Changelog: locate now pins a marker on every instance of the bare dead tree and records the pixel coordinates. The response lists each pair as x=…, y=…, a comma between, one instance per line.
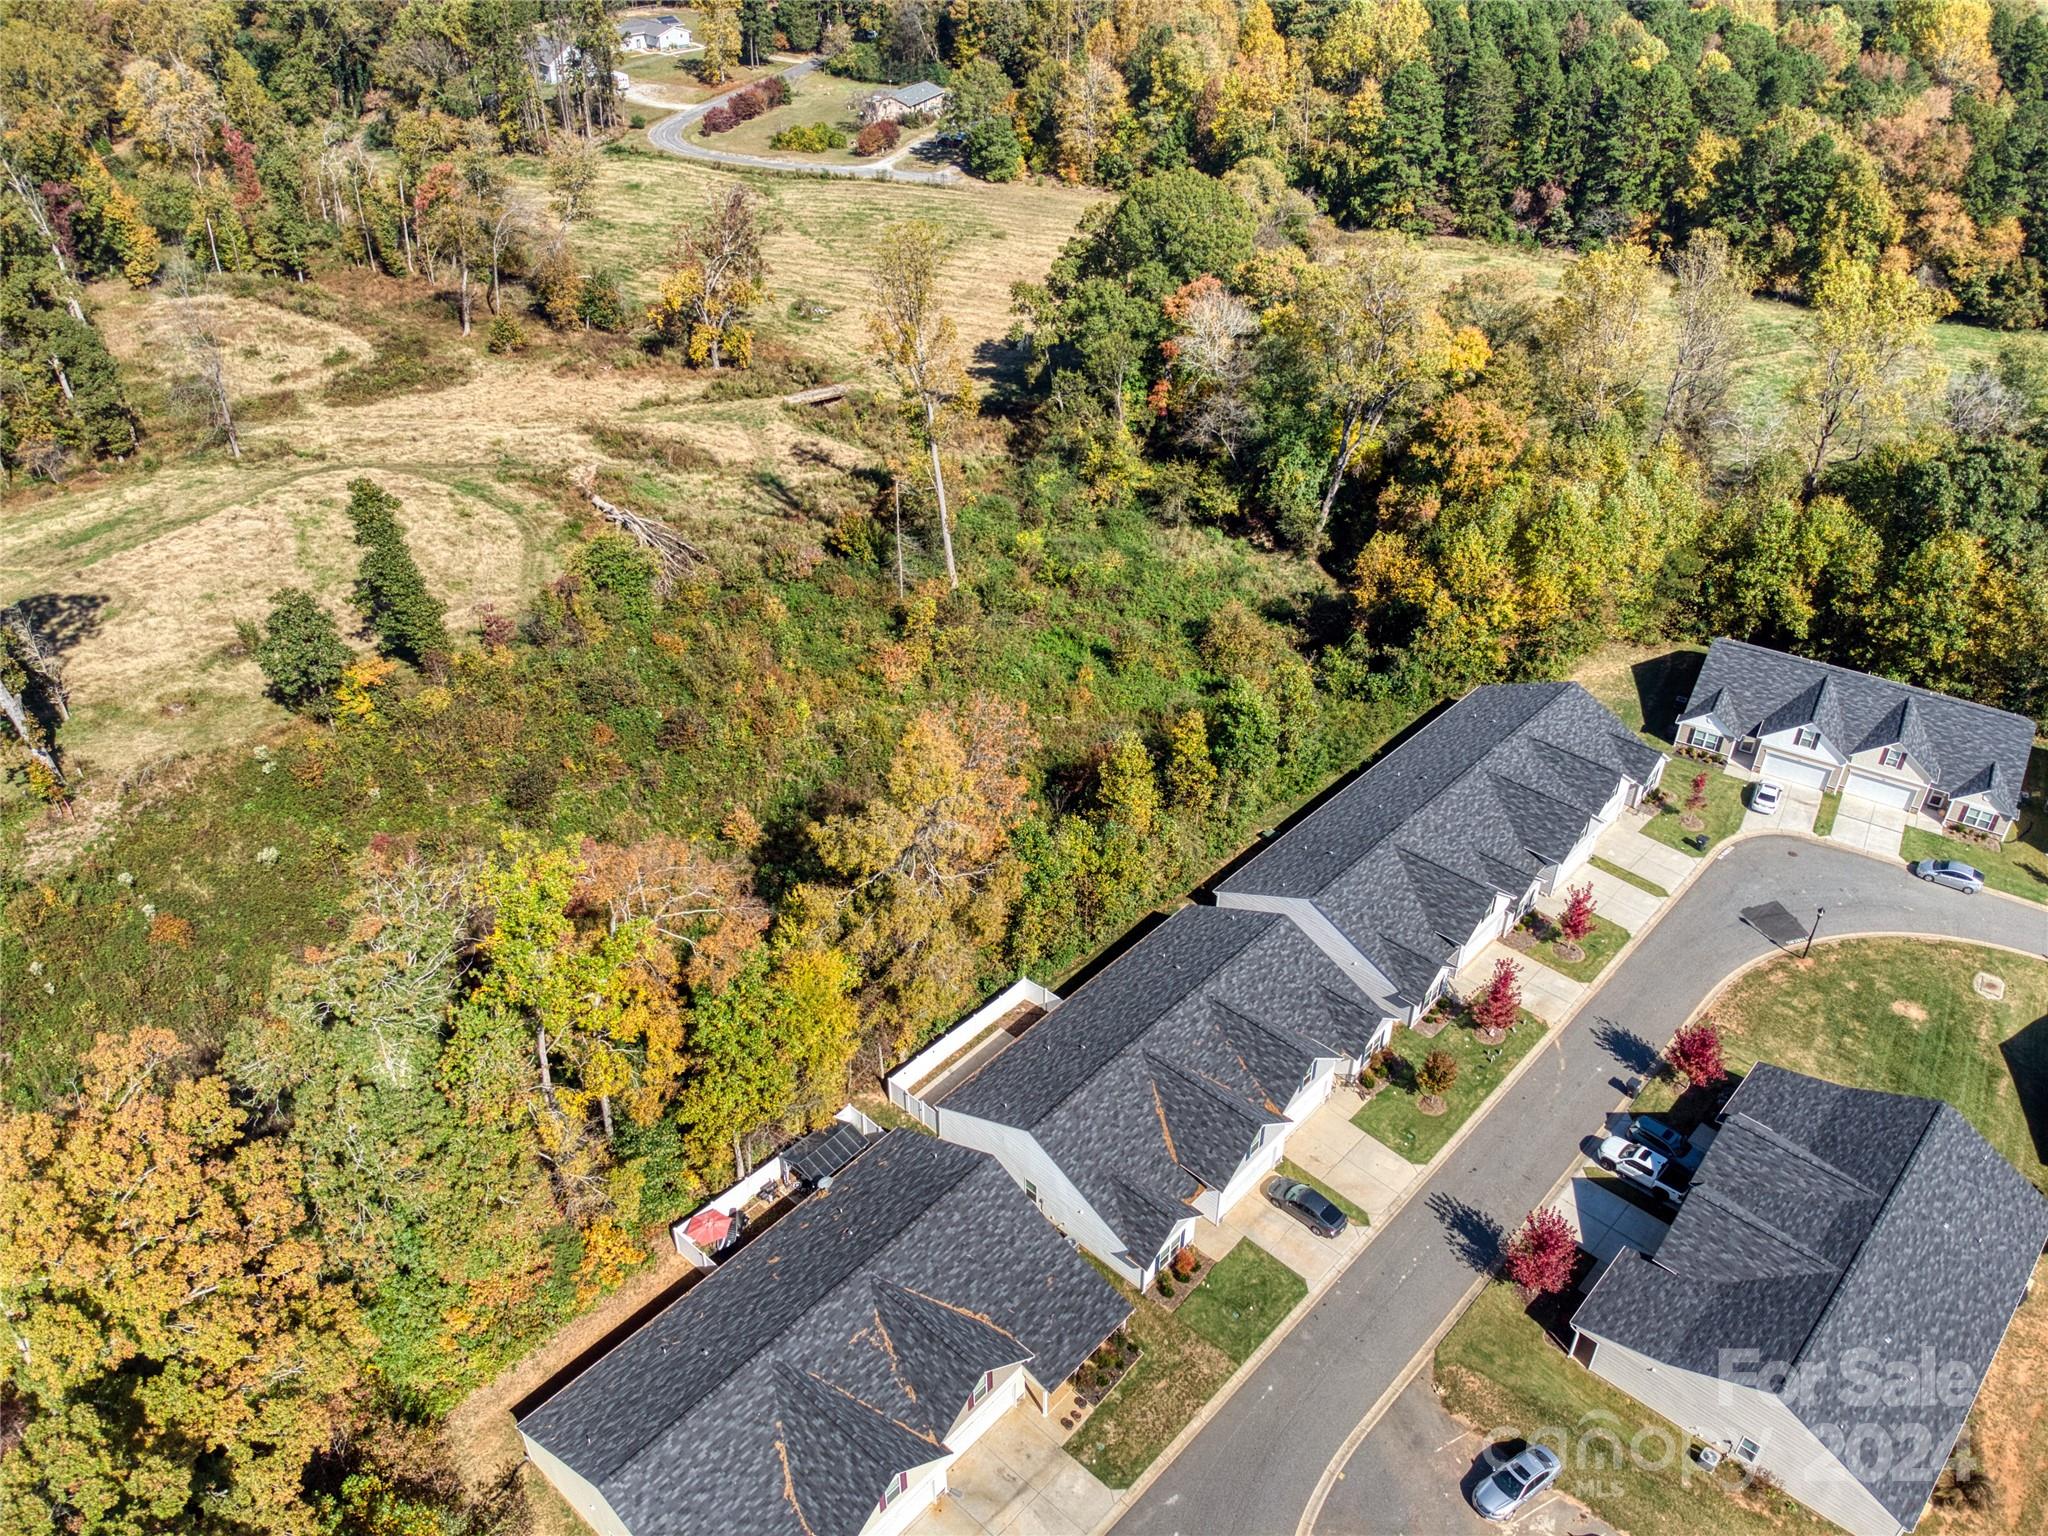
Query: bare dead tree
x=206, y=375
x=1710, y=286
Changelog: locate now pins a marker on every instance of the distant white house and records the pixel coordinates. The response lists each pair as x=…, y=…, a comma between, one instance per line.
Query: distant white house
x=654, y=34
x=552, y=60
x=893, y=105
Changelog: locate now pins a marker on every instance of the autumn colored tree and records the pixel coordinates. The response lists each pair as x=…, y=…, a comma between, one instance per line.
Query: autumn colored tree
x=1576, y=920
x=1696, y=798
x=1709, y=286
x=1190, y=771
x=1599, y=334
x=715, y=281
x=1436, y=1076
x=1868, y=334
x=1495, y=1010
x=702, y=904
x=1543, y=1254
x=1695, y=1055
x=927, y=862
x=921, y=345
x=176, y=1344
x=1127, y=785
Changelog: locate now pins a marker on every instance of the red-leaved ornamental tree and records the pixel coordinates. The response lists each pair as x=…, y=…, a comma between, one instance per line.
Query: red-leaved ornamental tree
x=1696, y=797
x=1542, y=1256
x=1576, y=920
x=1695, y=1055
x=1495, y=1010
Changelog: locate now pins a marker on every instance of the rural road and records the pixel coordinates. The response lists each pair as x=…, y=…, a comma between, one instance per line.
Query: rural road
x=672, y=136
x=1253, y=1468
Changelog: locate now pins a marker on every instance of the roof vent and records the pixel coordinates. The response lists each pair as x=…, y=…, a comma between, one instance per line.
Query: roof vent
x=825, y=1183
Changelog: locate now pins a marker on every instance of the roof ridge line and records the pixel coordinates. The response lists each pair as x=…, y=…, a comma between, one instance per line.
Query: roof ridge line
x=1215, y=1090
x=1742, y=1213
x=1805, y=1154
x=1889, y=682
x=1883, y=1210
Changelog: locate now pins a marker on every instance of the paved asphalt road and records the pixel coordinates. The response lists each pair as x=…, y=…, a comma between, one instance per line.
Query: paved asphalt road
x=671, y=134
x=1252, y=1469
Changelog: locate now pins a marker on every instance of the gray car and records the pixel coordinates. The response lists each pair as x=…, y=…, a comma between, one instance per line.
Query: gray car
x=1307, y=1205
x=1953, y=873
x=1515, y=1486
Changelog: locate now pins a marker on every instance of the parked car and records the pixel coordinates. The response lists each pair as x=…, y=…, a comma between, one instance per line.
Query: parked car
x=1638, y=1165
x=1764, y=798
x=1307, y=1205
x=1953, y=873
x=1512, y=1489
x=1659, y=1136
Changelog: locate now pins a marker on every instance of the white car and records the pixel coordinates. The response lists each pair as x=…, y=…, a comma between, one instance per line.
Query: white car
x=1764, y=798
x=1637, y=1164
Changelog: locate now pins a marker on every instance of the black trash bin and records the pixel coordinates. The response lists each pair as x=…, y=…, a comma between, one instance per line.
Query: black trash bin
x=1698, y=842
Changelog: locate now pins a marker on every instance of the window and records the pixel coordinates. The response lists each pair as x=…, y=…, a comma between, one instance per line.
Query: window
x=1809, y=736
x=1893, y=757
x=894, y=1491
x=1978, y=819
x=1031, y=1191
x=1747, y=1449
x=982, y=1388
x=1705, y=740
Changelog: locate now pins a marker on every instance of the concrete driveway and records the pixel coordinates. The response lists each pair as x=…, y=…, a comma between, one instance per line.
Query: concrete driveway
x=1872, y=829
x=1018, y=1480
x=1550, y=995
x=1796, y=809
x=1623, y=846
x=1613, y=898
x=1414, y=1473
x=1258, y=1463
x=1607, y=1221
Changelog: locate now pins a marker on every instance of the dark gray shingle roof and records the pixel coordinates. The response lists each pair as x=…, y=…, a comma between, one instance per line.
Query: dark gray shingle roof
x=1964, y=748
x=1406, y=858
x=1153, y=1079
x=1825, y=1222
x=782, y=1392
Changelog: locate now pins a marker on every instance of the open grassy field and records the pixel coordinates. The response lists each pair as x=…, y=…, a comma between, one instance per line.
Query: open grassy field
x=1901, y=1015
x=824, y=230
x=1775, y=351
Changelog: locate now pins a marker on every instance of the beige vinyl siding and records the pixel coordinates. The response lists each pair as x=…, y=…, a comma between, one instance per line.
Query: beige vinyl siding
x=1723, y=1413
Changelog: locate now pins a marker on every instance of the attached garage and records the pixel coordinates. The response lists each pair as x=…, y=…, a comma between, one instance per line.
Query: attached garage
x=1793, y=772
x=1888, y=792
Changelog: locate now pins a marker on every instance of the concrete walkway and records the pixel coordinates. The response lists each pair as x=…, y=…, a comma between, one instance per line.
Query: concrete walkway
x=1550, y=995
x=1623, y=846
x=1255, y=1464
x=671, y=135
x=1018, y=1480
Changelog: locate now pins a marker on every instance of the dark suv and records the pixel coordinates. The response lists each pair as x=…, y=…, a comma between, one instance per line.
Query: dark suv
x=1307, y=1205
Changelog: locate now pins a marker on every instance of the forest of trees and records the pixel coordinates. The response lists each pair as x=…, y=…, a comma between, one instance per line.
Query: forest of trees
x=342, y=1072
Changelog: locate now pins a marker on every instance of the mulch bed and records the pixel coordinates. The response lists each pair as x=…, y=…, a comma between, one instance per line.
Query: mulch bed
x=1181, y=1288
x=1092, y=1383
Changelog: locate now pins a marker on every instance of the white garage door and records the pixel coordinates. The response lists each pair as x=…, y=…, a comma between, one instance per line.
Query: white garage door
x=1883, y=791
x=1793, y=771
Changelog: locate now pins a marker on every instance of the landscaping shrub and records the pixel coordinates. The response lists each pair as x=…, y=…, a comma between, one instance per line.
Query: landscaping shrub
x=719, y=119
x=809, y=138
x=773, y=91
x=746, y=105
x=1184, y=1263
x=877, y=138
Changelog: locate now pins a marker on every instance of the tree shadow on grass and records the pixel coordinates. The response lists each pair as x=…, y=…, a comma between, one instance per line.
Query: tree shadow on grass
x=62, y=619
x=1634, y=1054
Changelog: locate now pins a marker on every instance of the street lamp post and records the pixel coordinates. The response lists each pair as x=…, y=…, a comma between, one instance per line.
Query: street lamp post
x=1818, y=914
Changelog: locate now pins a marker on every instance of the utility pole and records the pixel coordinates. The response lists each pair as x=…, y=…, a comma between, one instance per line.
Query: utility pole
x=1818, y=914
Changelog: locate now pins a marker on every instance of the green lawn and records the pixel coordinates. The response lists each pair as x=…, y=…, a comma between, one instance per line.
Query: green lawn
x=1598, y=947
x=1187, y=1356
x=1722, y=816
x=2018, y=866
x=813, y=98
x=1899, y=1014
x=1627, y=876
x=1392, y=1116
x=1242, y=1300
x=1824, y=818
x=1297, y=1172
x=1501, y=1374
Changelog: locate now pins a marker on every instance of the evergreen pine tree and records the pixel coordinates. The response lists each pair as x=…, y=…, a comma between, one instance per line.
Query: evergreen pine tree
x=392, y=594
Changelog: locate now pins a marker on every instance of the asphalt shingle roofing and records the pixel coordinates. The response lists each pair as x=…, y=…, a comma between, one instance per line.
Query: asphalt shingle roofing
x=1154, y=1078
x=785, y=1390
x=1964, y=748
x=1406, y=859
x=1826, y=1222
